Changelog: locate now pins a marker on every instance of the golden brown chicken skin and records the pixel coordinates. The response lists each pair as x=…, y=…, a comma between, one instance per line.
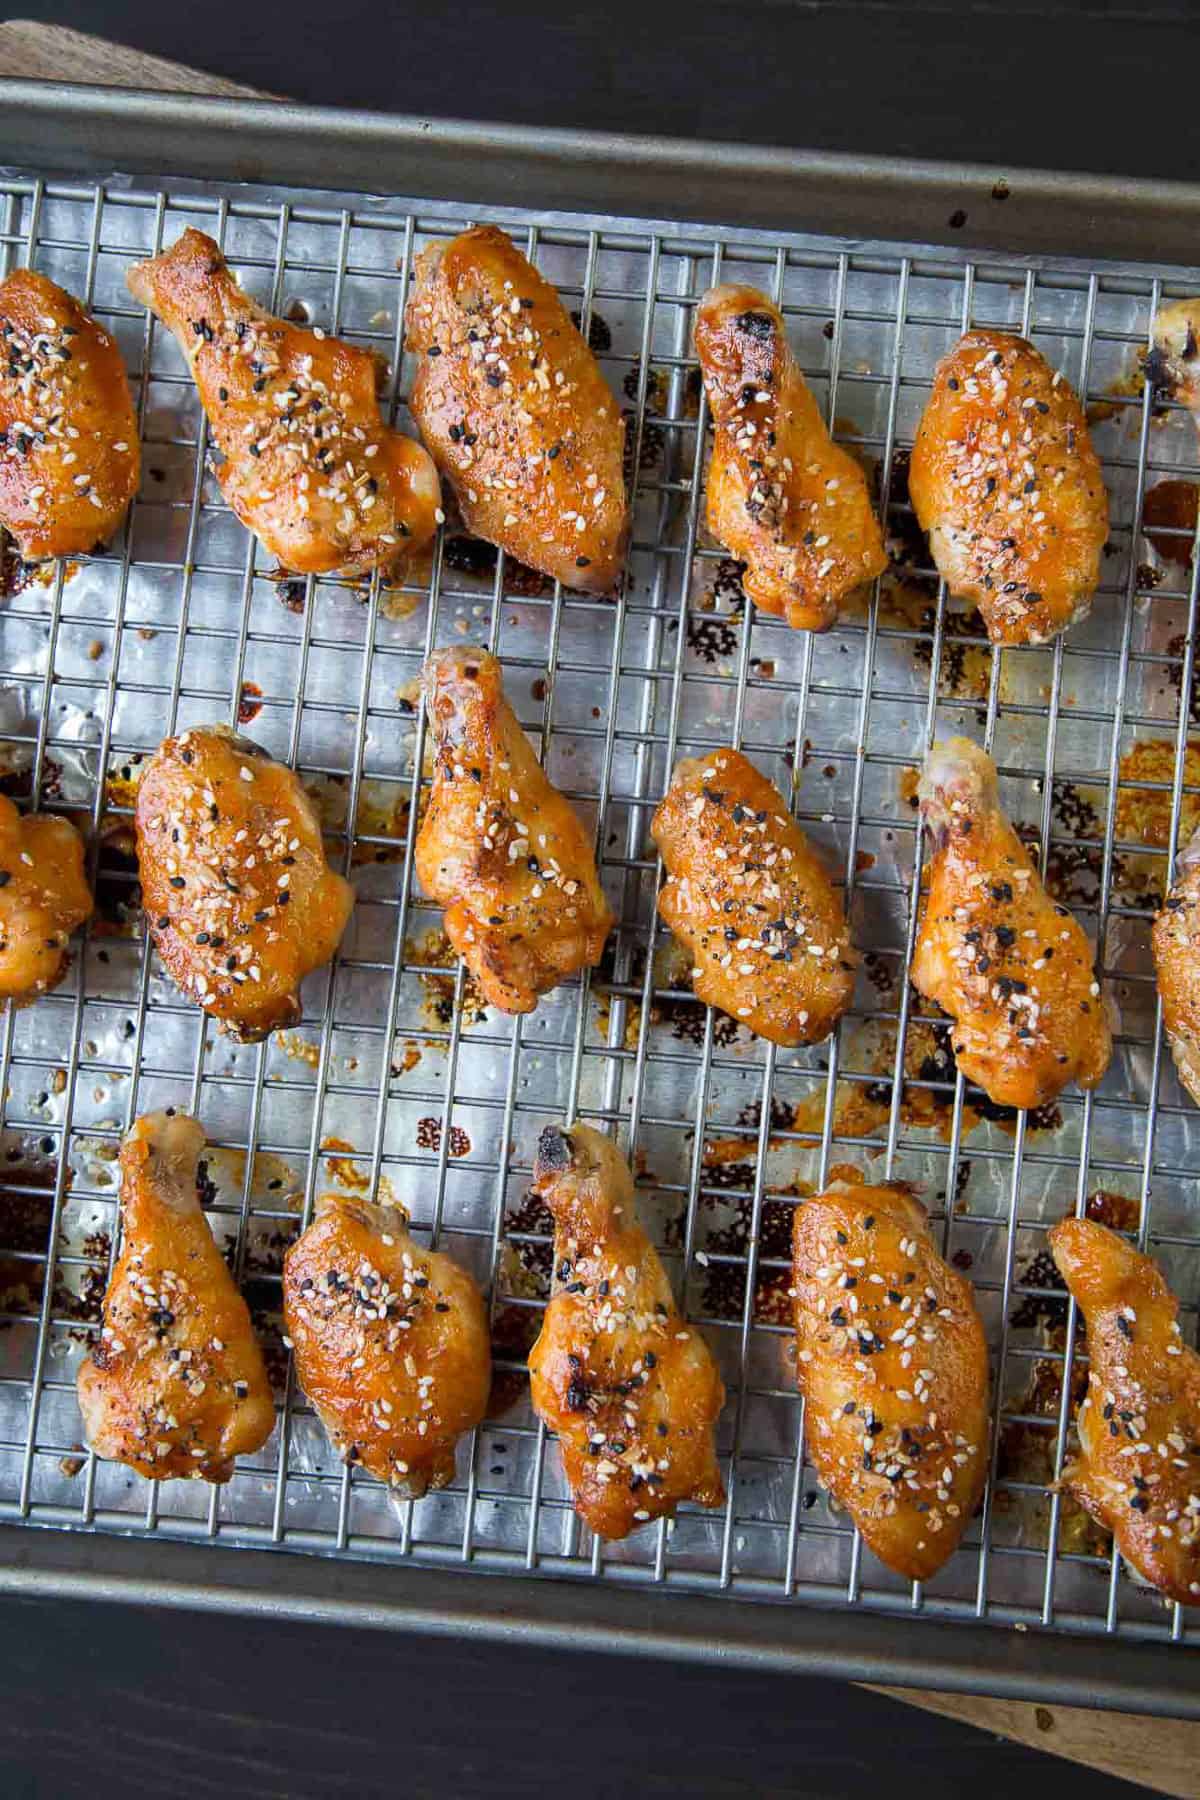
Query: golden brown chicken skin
x=1005, y=481
x=782, y=495
x=630, y=1389
x=1173, y=361
x=310, y=466
x=500, y=848
x=176, y=1385
x=44, y=895
x=391, y=1342
x=516, y=413
x=240, y=902
x=69, y=459
x=1176, y=943
x=1138, y=1468
x=1011, y=967
x=751, y=901
x=892, y=1361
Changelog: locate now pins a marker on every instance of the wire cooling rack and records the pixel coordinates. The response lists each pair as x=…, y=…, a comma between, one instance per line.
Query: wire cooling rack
x=399, y=1075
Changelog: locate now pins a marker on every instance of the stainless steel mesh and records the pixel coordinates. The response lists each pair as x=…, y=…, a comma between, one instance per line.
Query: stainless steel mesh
x=398, y=1075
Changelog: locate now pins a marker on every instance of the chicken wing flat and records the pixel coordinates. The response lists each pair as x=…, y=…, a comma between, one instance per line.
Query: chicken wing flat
x=69, y=459
x=44, y=895
x=892, y=1361
x=782, y=496
x=630, y=1389
x=1138, y=1470
x=391, y=1342
x=1004, y=479
x=1176, y=942
x=517, y=415
x=500, y=848
x=176, y=1384
x=239, y=899
x=751, y=901
x=310, y=466
x=1011, y=967
x=1173, y=363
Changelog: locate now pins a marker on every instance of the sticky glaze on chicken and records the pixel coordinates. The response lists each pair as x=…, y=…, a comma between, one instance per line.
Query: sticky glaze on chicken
x=630, y=1389
x=69, y=458
x=238, y=897
x=892, y=1361
x=44, y=895
x=175, y=1384
x=1138, y=1468
x=391, y=1342
x=1173, y=362
x=1176, y=942
x=782, y=495
x=1013, y=969
x=309, y=465
x=517, y=415
x=752, y=902
x=499, y=847
x=1004, y=479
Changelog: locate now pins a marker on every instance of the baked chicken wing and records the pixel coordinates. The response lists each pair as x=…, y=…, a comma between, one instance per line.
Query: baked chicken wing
x=176, y=1384
x=1173, y=363
x=1013, y=969
x=500, y=848
x=1138, y=1468
x=44, y=895
x=630, y=1389
x=1005, y=481
x=752, y=902
x=782, y=495
x=309, y=465
x=892, y=1361
x=1176, y=941
x=69, y=458
x=239, y=899
x=391, y=1342
x=517, y=415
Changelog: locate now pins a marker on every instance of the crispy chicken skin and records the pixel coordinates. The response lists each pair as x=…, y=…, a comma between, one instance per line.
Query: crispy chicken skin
x=238, y=897
x=69, y=459
x=176, y=1384
x=1138, y=1468
x=1176, y=942
x=630, y=1389
x=893, y=1364
x=310, y=466
x=500, y=848
x=44, y=895
x=1005, y=481
x=516, y=413
x=751, y=901
x=1173, y=363
x=782, y=495
x=1011, y=967
x=391, y=1342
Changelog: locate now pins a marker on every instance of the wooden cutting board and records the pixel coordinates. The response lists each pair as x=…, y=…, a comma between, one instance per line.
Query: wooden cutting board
x=1163, y=1754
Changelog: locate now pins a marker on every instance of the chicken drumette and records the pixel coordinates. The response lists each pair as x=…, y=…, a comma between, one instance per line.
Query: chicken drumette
x=1176, y=941
x=499, y=847
x=239, y=899
x=391, y=1342
x=1004, y=479
x=892, y=1361
x=782, y=495
x=309, y=465
x=752, y=902
x=1013, y=969
x=176, y=1384
x=68, y=434
x=630, y=1389
x=1173, y=362
x=516, y=413
x=1138, y=1470
x=44, y=895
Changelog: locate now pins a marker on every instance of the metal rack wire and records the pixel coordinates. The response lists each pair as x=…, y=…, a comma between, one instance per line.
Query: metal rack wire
x=396, y=1076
